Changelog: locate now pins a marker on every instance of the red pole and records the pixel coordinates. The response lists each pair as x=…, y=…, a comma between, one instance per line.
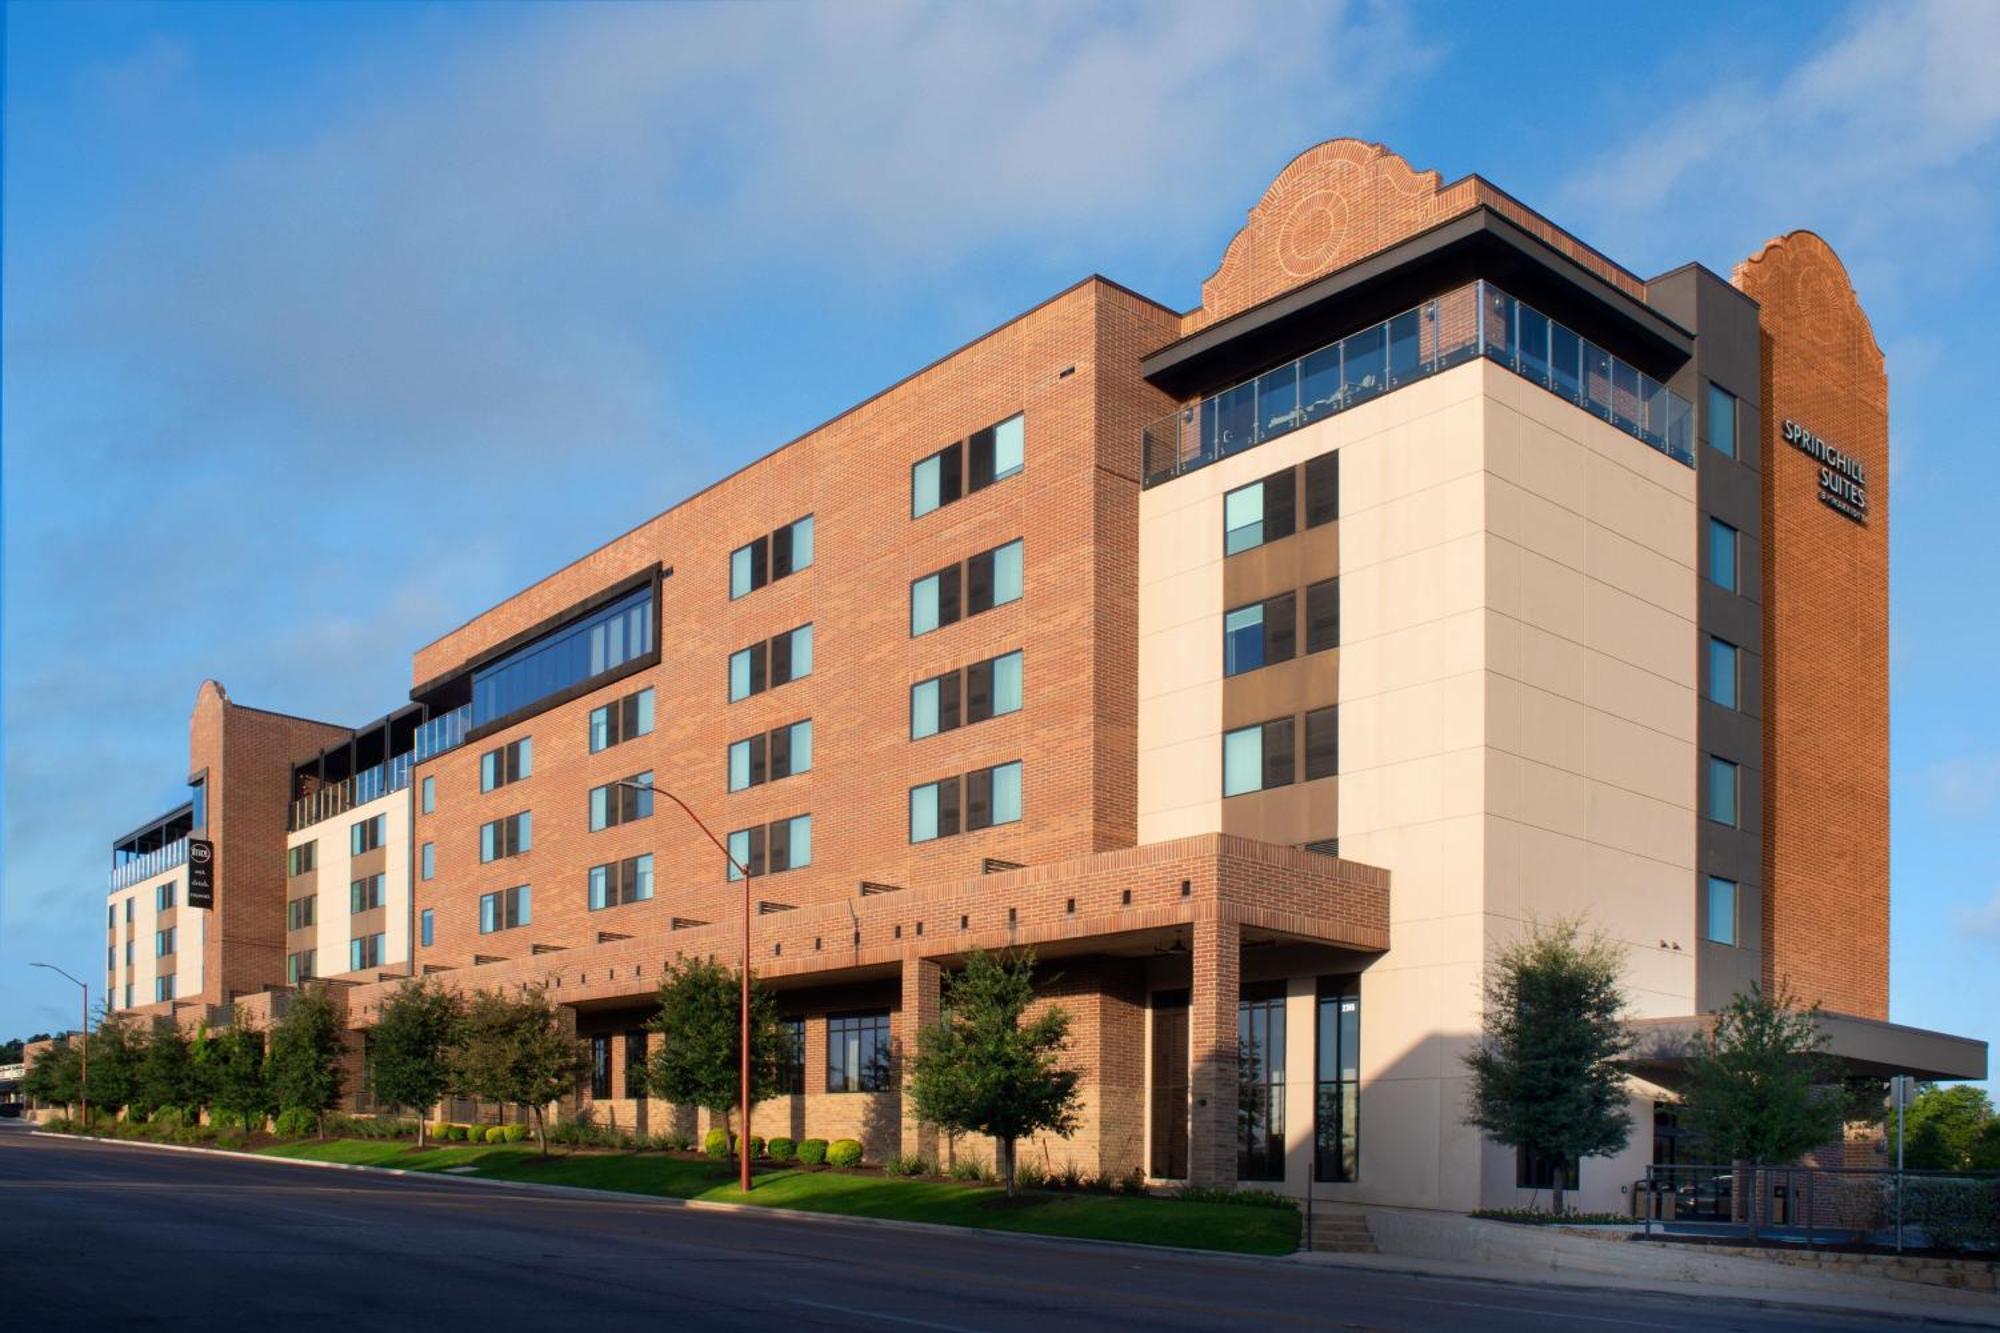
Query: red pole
x=83, y=1072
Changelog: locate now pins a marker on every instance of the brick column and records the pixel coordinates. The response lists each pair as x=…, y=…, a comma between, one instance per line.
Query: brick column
x=922, y=988
x=1218, y=987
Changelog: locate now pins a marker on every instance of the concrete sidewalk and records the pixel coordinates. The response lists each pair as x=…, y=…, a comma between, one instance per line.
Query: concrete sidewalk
x=1451, y=1245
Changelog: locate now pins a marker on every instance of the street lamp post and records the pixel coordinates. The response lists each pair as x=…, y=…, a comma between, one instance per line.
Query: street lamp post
x=83, y=1043
x=743, y=1039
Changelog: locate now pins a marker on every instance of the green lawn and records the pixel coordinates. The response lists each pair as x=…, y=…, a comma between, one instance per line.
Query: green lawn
x=1208, y=1226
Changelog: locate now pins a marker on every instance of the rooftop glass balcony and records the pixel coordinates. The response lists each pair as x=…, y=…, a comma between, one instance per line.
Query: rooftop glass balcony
x=129, y=869
x=337, y=798
x=443, y=732
x=1473, y=321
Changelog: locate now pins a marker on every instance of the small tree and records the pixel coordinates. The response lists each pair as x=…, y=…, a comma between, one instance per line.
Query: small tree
x=1948, y=1121
x=980, y=1071
x=166, y=1070
x=54, y=1078
x=701, y=1021
x=410, y=1055
x=112, y=1074
x=235, y=1074
x=306, y=1049
x=1544, y=1074
x=518, y=1051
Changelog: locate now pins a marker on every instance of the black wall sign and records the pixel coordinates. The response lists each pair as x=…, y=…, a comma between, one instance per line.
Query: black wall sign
x=1843, y=479
x=201, y=873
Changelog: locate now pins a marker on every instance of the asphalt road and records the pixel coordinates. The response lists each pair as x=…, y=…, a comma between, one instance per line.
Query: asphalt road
x=97, y=1236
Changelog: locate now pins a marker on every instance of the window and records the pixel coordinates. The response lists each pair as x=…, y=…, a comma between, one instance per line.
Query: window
x=1322, y=743
x=1260, y=1083
x=621, y=802
x=163, y=896
x=504, y=910
x=1323, y=616
x=746, y=849
x=791, y=1056
x=1262, y=634
x=1722, y=790
x=301, y=912
x=1721, y=910
x=600, y=1066
x=367, y=835
x=934, y=810
x=111, y=916
x=763, y=666
x=302, y=859
x=1721, y=420
x=621, y=720
x=300, y=966
x=1261, y=512
x=857, y=1052
x=784, y=844
x=1322, y=489
x=987, y=689
x=934, y=601
x=429, y=788
x=128, y=953
x=128, y=995
x=365, y=895
x=1336, y=1140
x=427, y=865
x=199, y=799
x=128, y=911
x=619, y=882
x=597, y=643
x=1722, y=669
x=777, y=754
x=973, y=464
x=1721, y=554
x=770, y=558
x=1539, y=1171
x=163, y=942
x=635, y=1063
x=506, y=837
x=989, y=579
x=509, y=763
x=427, y=927
x=163, y=988
x=1257, y=757
x=990, y=796
x=364, y=951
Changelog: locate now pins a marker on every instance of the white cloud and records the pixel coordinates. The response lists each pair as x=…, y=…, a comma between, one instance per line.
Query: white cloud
x=1981, y=922
x=1962, y=787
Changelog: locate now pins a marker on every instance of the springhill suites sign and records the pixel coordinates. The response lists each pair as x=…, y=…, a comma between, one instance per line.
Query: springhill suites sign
x=1843, y=478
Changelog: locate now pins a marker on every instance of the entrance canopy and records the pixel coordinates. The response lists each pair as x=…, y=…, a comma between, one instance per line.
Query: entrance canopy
x=1867, y=1047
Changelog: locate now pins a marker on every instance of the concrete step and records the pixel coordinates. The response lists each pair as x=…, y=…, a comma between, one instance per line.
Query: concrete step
x=1341, y=1233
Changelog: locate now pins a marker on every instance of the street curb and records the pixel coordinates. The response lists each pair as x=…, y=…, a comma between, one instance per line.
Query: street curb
x=1304, y=1260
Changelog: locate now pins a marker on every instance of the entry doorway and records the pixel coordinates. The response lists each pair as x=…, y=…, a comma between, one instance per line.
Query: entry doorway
x=1170, y=1085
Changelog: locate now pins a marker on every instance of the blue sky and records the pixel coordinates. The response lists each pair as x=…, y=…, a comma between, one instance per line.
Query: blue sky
x=326, y=327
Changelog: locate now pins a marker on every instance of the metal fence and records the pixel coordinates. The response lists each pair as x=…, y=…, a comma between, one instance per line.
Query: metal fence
x=1803, y=1204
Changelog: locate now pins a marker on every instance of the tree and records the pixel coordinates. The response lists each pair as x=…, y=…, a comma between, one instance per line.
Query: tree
x=1985, y=1154
x=1544, y=1074
x=701, y=1022
x=410, y=1053
x=166, y=1070
x=234, y=1072
x=979, y=1070
x=304, y=1067
x=518, y=1051
x=55, y=1076
x=1948, y=1122
x=111, y=1076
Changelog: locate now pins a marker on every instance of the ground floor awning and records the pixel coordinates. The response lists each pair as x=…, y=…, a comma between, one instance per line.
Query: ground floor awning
x=1867, y=1047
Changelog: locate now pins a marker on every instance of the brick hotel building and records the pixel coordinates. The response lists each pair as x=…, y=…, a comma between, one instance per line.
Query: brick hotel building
x=1262, y=666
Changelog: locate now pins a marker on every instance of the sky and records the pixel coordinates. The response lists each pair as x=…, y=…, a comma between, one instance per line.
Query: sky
x=326, y=327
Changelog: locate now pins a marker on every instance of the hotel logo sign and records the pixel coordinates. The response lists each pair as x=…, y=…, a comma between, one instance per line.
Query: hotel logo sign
x=1843, y=478
x=201, y=873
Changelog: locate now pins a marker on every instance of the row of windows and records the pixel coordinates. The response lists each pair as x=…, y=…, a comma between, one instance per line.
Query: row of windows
x=981, y=799
x=987, y=689
x=784, y=844
x=1268, y=509
x=765, y=666
x=1265, y=633
x=989, y=579
x=857, y=1057
x=779, y=753
x=111, y=914
x=598, y=643
x=1260, y=1036
x=771, y=557
x=972, y=464
x=1265, y=754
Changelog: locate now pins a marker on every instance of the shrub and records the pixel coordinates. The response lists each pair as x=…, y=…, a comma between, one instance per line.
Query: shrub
x=462, y=1133
x=1030, y=1175
x=812, y=1152
x=716, y=1143
x=843, y=1152
x=441, y=1132
x=513, y=1133
x=1068, y=1176
x=969, y=1169
x=678, y=1142
x=910, y=1164
x=1542, y=1218
x=169, y=1118
x=1241, y=1198
x=295, y=1122
x=496, y=1133
x=782, y=1149
x=1955, y=1212
x=756, y=1146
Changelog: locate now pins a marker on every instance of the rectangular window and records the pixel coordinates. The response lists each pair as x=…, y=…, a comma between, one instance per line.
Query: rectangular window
x=367, y=835
x=792, y=1056
x=934, y=600
x=1723, y=782
x=504, y=910
x=365, y=894
x=746, y=849
x=1260, y=635
x=973, y=464
x=506, y=837
x=111, y=916
x=749, y=568
x=1540, y=1171
x=792, y=548
x=165, y=894
x=163, y=988
x=622, y=719
x=1721, y=554
x=1258, y=757
x=1323, y=616
x=1721, y=420
x=792, y=656
x=788, y=844
x=600, y=1066
x=1336, y=1110
x=1721, y=910
x=777, y=754
x=364, y=951
x=936, y=481
x=619, y=882
x=163, y=942
x=1322, y=743
x=762, y=666
x=300, y=966
x=772, y=557
x=430, y=795
x=427, y=927
x=509, y=763
x=427, y=861
x=128, y=911
x=1322, y=489
x=594, y=645
x=301, y=912
x=621, y=802
x=1261, y=512
x=1260, y=1083
x=128, y=953
x=857, y=1052
x=926, y=696
x=635, y=1063
x=993, y=578
x=1722, y=672
x=302, y=859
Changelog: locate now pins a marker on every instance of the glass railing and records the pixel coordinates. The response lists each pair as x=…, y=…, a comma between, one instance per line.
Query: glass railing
x=444, y=732
x=337, y=798
x=1473, y=321
x=148, y=864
